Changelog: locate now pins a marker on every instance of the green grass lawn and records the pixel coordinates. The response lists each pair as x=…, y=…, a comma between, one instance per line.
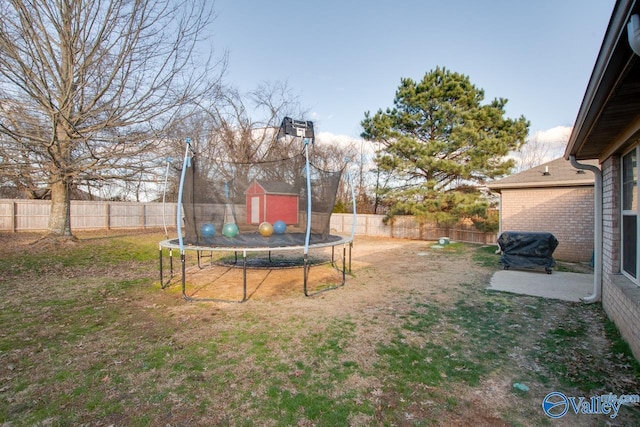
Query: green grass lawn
x=88, y=337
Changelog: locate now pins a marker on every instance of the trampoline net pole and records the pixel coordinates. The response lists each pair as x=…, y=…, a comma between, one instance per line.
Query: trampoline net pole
x=353, y=202
x=164, y=196
x=308, y=235
x=185, y=165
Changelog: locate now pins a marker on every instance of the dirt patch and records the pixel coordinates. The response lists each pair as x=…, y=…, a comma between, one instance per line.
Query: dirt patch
x=389, y=278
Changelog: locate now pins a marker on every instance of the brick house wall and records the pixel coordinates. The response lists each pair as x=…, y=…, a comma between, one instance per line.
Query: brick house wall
x=611, y=216
x=606, y=127
x=567, y=212
x=620, y=297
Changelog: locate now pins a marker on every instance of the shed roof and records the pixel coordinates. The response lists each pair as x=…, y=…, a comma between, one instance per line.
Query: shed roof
x=276, y=187
x=556, y=173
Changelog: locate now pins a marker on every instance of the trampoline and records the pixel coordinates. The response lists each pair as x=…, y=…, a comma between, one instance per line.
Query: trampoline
x=279, y=205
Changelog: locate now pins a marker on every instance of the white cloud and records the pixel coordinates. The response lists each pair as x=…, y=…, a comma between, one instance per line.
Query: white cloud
x=332, y=137
x=554, y=137
x=358, y=147
x=541, y=147
x=344, y=141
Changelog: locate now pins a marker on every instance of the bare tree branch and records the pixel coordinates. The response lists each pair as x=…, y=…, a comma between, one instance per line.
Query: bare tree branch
x=95, y=84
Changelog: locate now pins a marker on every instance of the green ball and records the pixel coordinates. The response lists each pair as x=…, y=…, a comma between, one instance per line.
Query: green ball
x=230, y=230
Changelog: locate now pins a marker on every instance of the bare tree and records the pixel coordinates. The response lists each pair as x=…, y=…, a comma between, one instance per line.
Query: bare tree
x=236, y=128
x=333, y=154
x=542, y=147
x=533, y=153
x=87, y=87
x=244, y=126
x=239, y=130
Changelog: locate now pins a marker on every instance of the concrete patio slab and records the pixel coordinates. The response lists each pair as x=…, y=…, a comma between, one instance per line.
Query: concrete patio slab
x=558, y=285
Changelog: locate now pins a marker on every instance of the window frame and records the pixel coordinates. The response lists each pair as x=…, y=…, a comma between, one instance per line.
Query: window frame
x=633, y=212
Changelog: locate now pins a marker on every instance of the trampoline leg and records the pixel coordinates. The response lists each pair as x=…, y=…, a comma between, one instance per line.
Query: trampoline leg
x=163, y=283
x=184, y=280
x=170, y=263
x=305, y=274
x=160, y=262
x=307, y=267
x=200, y=256
x=244, y=276
x=191, y=298
x=344, y=267
x=350, y=246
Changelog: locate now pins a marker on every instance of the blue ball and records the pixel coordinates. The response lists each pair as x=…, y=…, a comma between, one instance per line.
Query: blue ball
x=230, y=230
x=279, y=227
x=208, y=230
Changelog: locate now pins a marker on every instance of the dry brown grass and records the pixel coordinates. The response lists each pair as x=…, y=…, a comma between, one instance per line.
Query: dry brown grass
x=88, y=338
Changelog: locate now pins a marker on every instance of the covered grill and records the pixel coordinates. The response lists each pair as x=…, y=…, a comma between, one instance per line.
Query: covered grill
x=521, y=249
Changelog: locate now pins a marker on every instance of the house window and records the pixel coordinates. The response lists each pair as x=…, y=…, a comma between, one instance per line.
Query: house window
x=630, y=214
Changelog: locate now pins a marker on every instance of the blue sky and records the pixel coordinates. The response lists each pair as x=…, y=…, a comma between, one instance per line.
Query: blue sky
x=343, y=58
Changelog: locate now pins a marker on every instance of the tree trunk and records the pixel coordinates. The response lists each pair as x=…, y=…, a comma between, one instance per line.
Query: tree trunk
x=60, y=213
x=60, y=181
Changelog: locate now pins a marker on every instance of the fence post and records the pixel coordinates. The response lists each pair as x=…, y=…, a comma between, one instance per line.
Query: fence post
x=107, y=215
x=13, y=211
x=176, y=207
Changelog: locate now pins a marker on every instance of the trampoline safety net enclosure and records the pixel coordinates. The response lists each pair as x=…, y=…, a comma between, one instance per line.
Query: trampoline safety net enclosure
x=226, y=207
x=274, y=205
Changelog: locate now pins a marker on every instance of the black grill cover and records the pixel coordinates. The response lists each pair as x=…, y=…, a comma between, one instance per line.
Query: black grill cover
x=521, y=249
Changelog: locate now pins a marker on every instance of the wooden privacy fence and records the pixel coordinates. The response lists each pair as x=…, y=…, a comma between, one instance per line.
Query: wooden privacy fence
x=33, y=215
x=406, y=227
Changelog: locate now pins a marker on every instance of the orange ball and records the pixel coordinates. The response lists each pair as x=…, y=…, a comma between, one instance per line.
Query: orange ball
x=265, y=229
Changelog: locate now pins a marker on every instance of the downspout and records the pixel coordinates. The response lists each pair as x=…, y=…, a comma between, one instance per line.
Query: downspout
x=597, y=232
x=633, y=33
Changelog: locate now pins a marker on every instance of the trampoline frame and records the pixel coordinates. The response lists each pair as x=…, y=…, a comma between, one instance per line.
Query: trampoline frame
x=296, y=128
x=199, y=249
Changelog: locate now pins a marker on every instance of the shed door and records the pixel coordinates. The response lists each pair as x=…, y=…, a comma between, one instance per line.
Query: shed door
x=255, y=210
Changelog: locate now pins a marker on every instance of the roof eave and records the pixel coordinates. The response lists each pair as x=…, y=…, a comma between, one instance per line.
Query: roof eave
x=550, y=184
x=612, y=59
